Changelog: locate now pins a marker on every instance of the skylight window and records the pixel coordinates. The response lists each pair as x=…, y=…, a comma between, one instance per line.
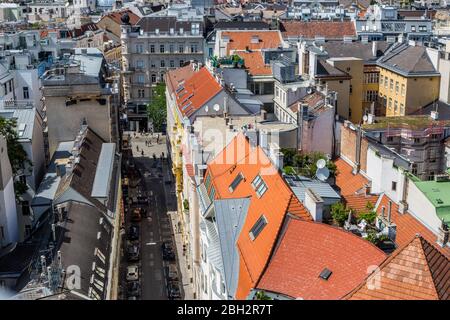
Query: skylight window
x=258, y=227
x=21, y=129
x=325, y=274
x=212, y=193
x=259, y=185
x=186, y=105
x=236, y=182
x=179, y=89
x=207, y=181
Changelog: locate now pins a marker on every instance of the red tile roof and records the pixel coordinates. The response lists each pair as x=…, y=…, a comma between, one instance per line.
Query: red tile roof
x=417, y=271
x=240, y=157
x=241, y=40
x=175, y=77
x=116, y=16
x=358, y=202
x=192, y=88
x=346, y=180
x=311, y=29
x=306, y=249
x=407, y=225
x=254, y=63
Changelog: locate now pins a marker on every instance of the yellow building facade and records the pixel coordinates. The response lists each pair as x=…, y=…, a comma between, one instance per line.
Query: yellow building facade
x=402, y=95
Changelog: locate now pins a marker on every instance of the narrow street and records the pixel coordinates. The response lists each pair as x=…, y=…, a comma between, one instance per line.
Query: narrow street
x=155, y=226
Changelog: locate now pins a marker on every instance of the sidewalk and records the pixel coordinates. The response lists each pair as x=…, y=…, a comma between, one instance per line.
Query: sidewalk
x=186, y=274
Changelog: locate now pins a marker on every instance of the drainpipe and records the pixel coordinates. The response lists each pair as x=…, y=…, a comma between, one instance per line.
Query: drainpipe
x=403, y=205
x=357, y=165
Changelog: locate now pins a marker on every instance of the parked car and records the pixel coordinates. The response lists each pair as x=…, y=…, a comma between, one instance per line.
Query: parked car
x=133, y=252
x=167, y=249
x=133, y=233
x=141, y=200
x=173, y=291
x=172, y=272
x=133, y=289
x=133, y=273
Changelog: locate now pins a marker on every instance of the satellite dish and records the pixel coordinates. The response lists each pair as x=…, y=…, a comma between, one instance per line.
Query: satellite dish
x=294, y=89
x=216, y=107
x=309, y=91
x=365, y=118
x=321, y=163
x=206, y=109
x=323, y=174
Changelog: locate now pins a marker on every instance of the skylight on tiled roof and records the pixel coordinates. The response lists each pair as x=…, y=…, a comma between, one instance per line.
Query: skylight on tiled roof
x=325, y=274
x=258, y=227
x=236, y=182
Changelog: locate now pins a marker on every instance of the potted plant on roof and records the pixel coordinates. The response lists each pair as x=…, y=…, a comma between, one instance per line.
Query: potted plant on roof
x=235, y=60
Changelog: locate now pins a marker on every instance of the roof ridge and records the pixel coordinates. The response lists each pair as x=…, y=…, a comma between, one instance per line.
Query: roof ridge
x=433, y=272
x=386, y=262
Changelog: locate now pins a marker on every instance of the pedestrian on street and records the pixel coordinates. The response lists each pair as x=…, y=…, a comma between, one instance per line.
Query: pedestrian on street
x=137, y=148
x=157, y=138
x=142, y=152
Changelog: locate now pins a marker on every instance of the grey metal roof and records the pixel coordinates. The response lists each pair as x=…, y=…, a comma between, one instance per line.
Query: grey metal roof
x=90, y=65
x=89, y=233
x=359, y=50
x=213, y=251
x=230, y=217
x=45, y=194
x=408, y=60
x=299, y=185
x=203, y=196
x=103, y=171
x=25, y=120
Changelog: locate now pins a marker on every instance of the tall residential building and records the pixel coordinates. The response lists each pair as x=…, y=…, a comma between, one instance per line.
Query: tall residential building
x=8, y=217
x=157, y=43
x=408, y=80
x=77, y=91
x=384, y=23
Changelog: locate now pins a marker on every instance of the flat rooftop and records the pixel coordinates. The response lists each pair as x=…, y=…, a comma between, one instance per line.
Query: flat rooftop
x=438, y=192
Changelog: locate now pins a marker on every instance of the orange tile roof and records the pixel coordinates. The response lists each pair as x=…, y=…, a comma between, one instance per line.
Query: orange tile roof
x=240, y=157
x=240, y=40
x=306, y=249
x=254, y=63
x=311, y=29
x=358, y=202
x=407, y=225
x=346, y=180
x=192, y=88
x=175, y=77
x=417, y=271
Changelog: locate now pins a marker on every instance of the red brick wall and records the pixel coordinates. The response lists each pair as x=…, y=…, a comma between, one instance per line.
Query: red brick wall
x=348, y=146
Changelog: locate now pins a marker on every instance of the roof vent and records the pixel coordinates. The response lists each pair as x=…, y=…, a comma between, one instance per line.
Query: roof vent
x=325, y=274
x=255, y=39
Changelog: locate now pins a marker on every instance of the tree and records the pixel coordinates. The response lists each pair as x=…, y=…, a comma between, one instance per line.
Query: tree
x=261, y=295
x=156, y=109
x=339, y=213
x=370, y=215
x=305, y=163
x=17, y=155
